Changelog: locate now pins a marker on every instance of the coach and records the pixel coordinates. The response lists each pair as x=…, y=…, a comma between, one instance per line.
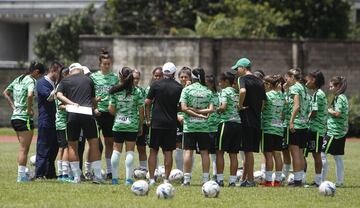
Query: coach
x=251, y=98
x=47, y=146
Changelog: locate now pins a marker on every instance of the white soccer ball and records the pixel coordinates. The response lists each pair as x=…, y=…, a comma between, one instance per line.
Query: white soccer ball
x=29, y=173
x=140, y=173
x=156, y=175
x=259, y=176
x=32, y=160
x=176, y=175
x=290, y=178
x=239, y=174
x=140, y=188
x=165, y=191
x=211, y=189
x=283, y=177
x=327, y=188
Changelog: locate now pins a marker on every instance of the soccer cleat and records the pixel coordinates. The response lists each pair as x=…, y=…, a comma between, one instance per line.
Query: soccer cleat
x=339, y=185
x=267, y=183
x=22, y=179
x=75, y=180
x=295, y=184
x=314, y=184
x=185, y=184
x=277, y=184
x=89, y=176
x=114, y=181
x=109, y=176
x=247, y=184
x=220, y=183
x=214, y=177
x=60, y=177
x=97, y=180
x=129, y=181
x=231, y=184
x=152, y=183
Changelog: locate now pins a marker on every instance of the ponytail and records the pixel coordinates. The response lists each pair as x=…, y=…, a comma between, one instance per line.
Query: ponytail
x=127, y=82
x=34, y=65
x=104, y=55
x=340, y=83
x=198, y=74
x=298, y=75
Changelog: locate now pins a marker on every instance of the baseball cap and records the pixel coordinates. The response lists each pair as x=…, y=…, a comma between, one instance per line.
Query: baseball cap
x=75, y=66
x=169, y=68
x=85, y=69
x=243, y=62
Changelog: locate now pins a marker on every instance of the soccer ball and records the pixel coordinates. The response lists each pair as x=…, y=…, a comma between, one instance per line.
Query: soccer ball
x=327, y=188
x=259, y=176
x=239, y=174
x=290, y=178
x=161, y=172
x=30, y=174
x=156, y=175
x=140, y=188
x=165, y=191
x=176, y=175
x=283, y=177
x=211, y=189
x=32, y=160
x=140, y=173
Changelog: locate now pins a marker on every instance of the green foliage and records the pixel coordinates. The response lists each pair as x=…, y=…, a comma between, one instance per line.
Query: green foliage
x=61, y=40
x=354, y=33
x=354, y=116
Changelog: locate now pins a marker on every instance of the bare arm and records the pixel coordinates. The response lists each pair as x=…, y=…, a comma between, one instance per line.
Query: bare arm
x=148, y=103
x=112, y=109
x=30, y=99
x=64, y=99
x=187, y=110
x=242, y=94
x=141, y=120
x=7, y=95
x=205, y=111
x=222, y=107
x=334, y=113
x=295, y=111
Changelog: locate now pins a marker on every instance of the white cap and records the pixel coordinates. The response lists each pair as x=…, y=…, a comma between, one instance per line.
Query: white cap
x=86, y=70
x=169, y=68
x=75, y=66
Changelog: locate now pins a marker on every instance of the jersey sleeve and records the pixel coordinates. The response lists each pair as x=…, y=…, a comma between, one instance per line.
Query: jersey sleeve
x=341, y=104
x=60, y=87
x=223, y=97
x=241, y=82
x=10, y=87
x=294, y=90
x=30, y=85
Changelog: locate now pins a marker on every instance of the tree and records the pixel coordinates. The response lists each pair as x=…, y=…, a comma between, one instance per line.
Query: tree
x=61, y=40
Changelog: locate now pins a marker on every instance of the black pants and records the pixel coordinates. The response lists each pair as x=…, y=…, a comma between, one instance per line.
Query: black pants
x=46, y=152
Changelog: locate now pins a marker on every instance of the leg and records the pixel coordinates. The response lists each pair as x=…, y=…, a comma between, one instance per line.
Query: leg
x=115, y=159
x=249, y=166
x=129, y=160
x=205, y=164
x=278, y=166
x=152, y=162
x=233, y=167
x=287, y=161
x=325, y=165
x=318, y=167
x=142, y=155
x=179, y=157
x=269, y=166
x=24, y=138
x=109, y=143
x=95, y=158
x=42, y=152
x=297, y=162
x=339, y=164
x=168, y=162
x=188, y=154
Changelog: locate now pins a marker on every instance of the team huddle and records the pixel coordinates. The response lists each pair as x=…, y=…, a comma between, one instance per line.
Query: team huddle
x=286, y=117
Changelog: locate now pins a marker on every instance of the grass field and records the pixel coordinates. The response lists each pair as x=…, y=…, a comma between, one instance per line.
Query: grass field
x=52, y=193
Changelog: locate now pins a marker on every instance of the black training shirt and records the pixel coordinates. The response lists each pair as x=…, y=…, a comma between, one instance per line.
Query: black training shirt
x=165, y=94
x=255, y=95
x=79, y=89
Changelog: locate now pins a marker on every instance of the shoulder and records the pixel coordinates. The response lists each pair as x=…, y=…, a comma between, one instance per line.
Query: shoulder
x=342, y=98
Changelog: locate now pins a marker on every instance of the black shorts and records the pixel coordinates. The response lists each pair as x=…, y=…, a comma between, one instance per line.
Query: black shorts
x=105, y=123
x=250, y=139
x=164, y=138
x=21, y=125
x=213, y=139
x=142, y=140
x=78, y=122
x=298, y=138
x=179, y=134
x=334, y=146
x=285, y=143
x=271, y=142
x=196, y=140
x=61, y=138
x=314, y=143
x=229, y=137
x=121, y=136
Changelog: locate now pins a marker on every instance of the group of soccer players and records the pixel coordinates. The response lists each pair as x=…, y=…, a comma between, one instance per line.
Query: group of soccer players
x=284, y=116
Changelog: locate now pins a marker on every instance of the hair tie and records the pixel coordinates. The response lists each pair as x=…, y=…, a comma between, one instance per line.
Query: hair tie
x=194, y=76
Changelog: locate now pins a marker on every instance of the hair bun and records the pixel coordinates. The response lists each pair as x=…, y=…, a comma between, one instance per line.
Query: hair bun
x=104, y=51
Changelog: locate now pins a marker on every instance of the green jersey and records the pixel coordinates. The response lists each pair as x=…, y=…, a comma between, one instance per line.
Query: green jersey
x=338, y=126
x=60, y=117
x=127, y=110
x=214, y=118
x=287, y=110
x=20, y=89
x=199, y=97
x=318, y=105
x=230, y=97
x=301, y=118
x=102, y=84
x=272, y=122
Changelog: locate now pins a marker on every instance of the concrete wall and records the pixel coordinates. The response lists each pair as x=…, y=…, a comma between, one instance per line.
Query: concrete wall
x=13, y=41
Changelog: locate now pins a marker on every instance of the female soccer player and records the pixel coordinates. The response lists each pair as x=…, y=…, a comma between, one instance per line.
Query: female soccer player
x=196, y=103
x=287, y=115
x=273, y=131
x=317, y=121
x=213, y=120
x=298, y=126
x=185, y=80
x=229, y=129
x=126, y=104
x=20, y=95
x=337, y=125
x=103, y=80
x=60, y=123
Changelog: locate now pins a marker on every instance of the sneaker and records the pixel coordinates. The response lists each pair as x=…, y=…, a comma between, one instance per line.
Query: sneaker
x=214, y=177
x=129, y=181
x=60, y=177
x=314, y=184
x=89, y=176
x=97, y=180
x=185, y=184
x=152, y=183
x=109, y=176
x=277, y=184
x=220, y=183
x=339, y=185
x=247, y=184
x=266, y=184
x=75, y=181
x=114, y=181
x=295, y=184
x=22, y=179
x=233, y=184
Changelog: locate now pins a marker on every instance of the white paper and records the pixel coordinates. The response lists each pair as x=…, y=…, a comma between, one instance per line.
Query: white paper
x=79, y=109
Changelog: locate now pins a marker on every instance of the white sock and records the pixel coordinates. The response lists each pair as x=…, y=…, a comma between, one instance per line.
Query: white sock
x=143, y=164
x=59, y=167
x=262, y=168
x=213, y=161
x=65, y=167
x=325, y=168
x=268, y=175
x=298, y=176
x=278, y=176
x=96, y=165
x=339, y=164
x=220, y=177
x=108, y=165
x=75, y=167
x=286, y=169
x=303, y=177
x=21, y=171
x=157, y=161
x=232, y=179
x=129, y=164
x=87, y=167
x=318, y=179
x=179, y=159
x=205, y=177
x=115, y=159
x=187, y=177
x=166, y=181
